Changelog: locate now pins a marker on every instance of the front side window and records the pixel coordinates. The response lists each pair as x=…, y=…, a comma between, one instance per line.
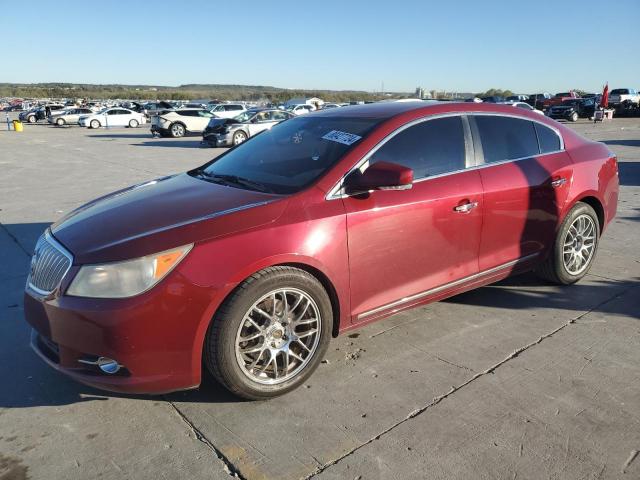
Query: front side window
x=429, y=148
x=288, y=157
x=506, y=138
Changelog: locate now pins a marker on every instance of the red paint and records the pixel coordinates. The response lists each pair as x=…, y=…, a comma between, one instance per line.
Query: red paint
x=372, y=250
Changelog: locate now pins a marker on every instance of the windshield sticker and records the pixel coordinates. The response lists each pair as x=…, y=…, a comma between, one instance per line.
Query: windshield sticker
x=342, y=137
x=297, y=137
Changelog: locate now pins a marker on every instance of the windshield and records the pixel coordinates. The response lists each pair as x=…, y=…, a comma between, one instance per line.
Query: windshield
x=244, y=116
x=288, y=157
x=620, y=91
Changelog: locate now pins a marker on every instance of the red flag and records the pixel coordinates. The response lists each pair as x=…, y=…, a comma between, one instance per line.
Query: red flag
x=604, y=101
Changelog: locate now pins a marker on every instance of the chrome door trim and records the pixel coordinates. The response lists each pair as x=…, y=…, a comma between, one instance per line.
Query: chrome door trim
x=478, y=162
x=446, y=286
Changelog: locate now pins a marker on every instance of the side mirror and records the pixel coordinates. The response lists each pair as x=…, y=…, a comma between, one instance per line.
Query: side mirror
x=379, y=176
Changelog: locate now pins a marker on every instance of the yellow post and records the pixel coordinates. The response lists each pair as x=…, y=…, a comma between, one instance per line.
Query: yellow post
x=17, y=125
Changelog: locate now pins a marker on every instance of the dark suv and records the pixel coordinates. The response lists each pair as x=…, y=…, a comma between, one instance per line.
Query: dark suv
x=573, y=109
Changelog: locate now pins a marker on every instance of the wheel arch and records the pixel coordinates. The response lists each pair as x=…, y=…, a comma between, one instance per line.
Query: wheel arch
x=315, y=270
x=596, y=204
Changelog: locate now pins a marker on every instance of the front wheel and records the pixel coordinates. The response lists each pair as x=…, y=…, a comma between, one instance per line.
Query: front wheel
x=32, y=119
x=239, y=137
x=60, y=122
x=574, y=248
x=133, y=123
x=94, y=124
x=574, y=117
x=270, y=335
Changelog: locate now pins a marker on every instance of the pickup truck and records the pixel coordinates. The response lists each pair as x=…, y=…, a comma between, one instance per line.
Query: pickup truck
x=558, y=98
x=623, y=95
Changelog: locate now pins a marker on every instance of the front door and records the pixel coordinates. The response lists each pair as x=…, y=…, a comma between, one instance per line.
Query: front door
x=402, y=244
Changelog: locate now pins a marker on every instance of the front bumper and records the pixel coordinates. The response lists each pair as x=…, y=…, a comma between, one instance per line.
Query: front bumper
x=218, y=139
x=156, y=337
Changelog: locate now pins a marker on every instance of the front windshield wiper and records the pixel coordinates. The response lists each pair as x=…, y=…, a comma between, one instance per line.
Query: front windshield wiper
x=234, y=180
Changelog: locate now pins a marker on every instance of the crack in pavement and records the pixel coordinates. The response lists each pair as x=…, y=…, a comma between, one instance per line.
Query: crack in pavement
x=227, y=464
x=442, y=397
x=15, y=239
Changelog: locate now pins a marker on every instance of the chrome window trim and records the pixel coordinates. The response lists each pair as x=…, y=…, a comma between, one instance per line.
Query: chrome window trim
x=58, y=246
x=478, y=155
x=433, y=291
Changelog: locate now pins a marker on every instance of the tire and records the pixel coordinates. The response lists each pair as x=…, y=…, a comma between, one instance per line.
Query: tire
x=224, y=347
x=32, y=119
x=133, y=123
x=60, y=122
x=177, y=130
x=94, y=124
x=574, y=117
x=238, y=137
x=558, y=267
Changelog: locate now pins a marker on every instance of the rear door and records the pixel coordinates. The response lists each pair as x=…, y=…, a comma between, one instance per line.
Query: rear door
x=525, y=176
x=403, y=244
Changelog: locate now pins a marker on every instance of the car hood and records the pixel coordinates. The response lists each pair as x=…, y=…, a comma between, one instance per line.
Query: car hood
x=159, y=215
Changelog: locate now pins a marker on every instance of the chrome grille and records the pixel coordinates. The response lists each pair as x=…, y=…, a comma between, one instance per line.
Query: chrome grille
x=49, y=264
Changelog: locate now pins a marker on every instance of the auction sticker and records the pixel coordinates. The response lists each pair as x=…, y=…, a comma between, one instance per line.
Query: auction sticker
x=342, y=137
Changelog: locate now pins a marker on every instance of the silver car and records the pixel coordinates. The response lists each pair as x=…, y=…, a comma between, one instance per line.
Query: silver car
x=69, y=117
x=226, y=132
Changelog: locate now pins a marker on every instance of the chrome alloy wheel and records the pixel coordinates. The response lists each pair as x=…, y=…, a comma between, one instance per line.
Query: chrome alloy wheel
x=579, y=245
x=278, y=336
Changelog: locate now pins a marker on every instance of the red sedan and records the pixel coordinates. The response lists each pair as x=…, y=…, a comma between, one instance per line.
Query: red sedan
x=251, y=263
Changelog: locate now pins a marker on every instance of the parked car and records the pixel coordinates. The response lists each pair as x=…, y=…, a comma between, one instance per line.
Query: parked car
x=227, y=110
x=517, y=98
x=493, y=99
x=152, y=108
x=113, y=117
x=536, y=100
x=300, y=109
x=39, y=113
x=69, y=117
x=618, y=96
x=226, y=132
x=249, y=264
x=178, y=123
x=524, y=106
x=574, y=109
x=330, y=105
x=558, y=98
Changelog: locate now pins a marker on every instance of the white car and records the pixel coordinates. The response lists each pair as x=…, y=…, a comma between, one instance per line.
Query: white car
x=178, y=123
x=300, y=109
x=113, y=117
x=524, y=106
x=619, y=95
x=228, y=110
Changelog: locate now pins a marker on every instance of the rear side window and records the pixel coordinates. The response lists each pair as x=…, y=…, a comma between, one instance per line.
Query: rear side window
x=429, y=148
x=506, y=138
x=548, y=139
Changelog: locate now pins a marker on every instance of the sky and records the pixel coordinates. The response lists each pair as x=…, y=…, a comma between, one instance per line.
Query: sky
x=453, y=45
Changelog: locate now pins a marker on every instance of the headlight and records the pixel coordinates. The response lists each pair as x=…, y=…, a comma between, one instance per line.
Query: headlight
x=128, y=278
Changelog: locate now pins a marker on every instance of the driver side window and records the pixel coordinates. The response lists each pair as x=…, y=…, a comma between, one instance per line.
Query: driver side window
x=432, y=147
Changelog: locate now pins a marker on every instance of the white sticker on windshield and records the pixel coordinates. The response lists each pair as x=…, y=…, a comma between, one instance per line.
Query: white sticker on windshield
x=342, y=137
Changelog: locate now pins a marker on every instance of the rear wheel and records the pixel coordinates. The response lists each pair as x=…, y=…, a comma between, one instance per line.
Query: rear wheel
x=271, y=333
x=60, y=122
x=575, y=247
x=177, y=130
x=574, y=117
x=94, y=124
x=239, y=137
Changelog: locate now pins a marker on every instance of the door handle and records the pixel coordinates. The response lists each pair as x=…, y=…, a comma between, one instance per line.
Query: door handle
x=465, y=207
x=558, y=182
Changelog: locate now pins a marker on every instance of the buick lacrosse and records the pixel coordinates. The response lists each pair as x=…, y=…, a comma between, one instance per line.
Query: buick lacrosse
x=250, y=264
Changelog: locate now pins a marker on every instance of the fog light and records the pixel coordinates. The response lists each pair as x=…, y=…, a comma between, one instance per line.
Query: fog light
x=107, y=365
